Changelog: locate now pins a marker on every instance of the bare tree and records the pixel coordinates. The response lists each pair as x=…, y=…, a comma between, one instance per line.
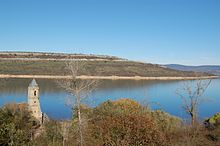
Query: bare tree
x=78, y=89
x=191, y=95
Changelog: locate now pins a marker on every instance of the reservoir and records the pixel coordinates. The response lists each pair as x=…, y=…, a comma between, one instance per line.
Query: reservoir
x=155, y=94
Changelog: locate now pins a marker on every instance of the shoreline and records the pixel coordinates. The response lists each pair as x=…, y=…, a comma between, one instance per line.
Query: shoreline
x=105, y=77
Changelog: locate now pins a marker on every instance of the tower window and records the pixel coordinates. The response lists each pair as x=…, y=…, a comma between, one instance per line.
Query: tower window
x=35, y=93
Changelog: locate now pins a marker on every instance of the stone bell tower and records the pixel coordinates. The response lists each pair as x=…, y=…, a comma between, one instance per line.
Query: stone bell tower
x=33, y=100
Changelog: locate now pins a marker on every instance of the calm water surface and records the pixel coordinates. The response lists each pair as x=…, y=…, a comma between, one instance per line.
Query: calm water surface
x=160, y=95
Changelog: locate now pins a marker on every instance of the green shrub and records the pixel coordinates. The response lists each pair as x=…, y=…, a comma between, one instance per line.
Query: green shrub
x=16, y=125
x=215, y=119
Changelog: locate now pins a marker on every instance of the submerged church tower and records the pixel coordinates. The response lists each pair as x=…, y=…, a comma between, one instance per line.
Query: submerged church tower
x=33, y=100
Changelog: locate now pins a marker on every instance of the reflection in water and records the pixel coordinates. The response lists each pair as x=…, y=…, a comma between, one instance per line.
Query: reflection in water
x=53, y=97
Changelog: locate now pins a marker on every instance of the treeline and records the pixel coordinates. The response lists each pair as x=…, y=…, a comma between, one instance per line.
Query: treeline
x=44, y=55
x=113, y=123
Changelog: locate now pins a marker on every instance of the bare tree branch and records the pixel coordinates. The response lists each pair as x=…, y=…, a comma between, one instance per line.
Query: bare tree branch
x=78, y=89
x=191, y=95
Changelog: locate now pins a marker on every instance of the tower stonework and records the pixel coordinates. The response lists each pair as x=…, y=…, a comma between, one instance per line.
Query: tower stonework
x=33, y=100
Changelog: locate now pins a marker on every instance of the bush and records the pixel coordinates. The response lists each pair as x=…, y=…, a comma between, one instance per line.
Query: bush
x=165, y=121
x=213, y=121
x=122, y=122
x=213, y=125
x=16, y=125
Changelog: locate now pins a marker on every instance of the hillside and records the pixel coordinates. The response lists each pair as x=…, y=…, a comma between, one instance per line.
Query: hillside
x=29, y=63
x=212, y=69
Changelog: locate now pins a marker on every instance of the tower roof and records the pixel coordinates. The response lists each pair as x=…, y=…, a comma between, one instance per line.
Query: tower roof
x=33, y=83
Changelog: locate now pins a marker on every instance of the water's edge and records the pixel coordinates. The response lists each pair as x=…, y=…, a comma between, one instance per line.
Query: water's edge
x=105, y=77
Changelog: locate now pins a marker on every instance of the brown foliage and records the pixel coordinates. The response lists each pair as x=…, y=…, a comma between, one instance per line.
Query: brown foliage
x=127, y=130
x=121, y=123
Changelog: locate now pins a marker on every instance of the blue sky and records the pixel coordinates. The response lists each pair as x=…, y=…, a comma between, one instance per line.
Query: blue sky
x=156, y=31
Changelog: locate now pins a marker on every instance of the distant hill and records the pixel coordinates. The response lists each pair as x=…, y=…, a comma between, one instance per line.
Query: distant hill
x=212, y=69
x=35, y=63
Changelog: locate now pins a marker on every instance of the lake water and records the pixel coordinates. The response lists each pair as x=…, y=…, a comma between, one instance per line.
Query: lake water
x=160, y=95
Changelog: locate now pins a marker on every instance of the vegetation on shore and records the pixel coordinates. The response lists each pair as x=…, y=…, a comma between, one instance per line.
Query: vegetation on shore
x=17, y=126
x=123, y=122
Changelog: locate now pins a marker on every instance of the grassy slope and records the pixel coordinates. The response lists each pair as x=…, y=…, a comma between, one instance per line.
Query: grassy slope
x=103, y=68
